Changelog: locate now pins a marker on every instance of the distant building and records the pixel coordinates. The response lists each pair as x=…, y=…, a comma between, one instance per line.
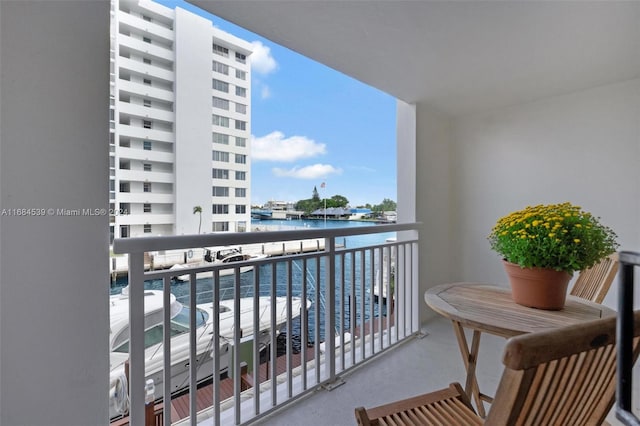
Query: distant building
x=279, y=205
x=180, y=123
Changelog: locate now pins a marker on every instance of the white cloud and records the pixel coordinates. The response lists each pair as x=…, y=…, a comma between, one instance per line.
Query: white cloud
x=315, y=171
x=275, y=147
x=261, y=60
x=265, y=92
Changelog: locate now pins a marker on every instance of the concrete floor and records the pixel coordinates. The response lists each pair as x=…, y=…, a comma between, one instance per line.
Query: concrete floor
x=417, y=366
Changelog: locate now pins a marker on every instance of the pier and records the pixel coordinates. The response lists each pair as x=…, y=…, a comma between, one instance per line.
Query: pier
x=119, y=265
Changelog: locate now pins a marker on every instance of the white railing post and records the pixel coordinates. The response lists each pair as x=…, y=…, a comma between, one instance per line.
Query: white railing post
x=330, y=309
x=136, y=339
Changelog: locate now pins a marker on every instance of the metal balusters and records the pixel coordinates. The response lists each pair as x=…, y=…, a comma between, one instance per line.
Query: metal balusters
x=256, y=343
x=166, y=346
x=216, y=345
x=237, y=336
x=316, y=341
x=330, y=309
x=353, y=307
x=136, y=338
x=289, y=345
x=193, y=360
x=341, y=256
x=304, y=325
x=375, y=263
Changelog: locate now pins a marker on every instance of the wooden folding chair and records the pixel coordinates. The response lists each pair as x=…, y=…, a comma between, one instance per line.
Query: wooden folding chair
x=593, y=283
x=565, y=376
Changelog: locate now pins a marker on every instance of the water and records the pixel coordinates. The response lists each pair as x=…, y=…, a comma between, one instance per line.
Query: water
x=204, y=286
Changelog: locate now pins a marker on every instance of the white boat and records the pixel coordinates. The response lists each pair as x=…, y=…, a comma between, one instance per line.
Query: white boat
x=154, y=364
x=226, y=256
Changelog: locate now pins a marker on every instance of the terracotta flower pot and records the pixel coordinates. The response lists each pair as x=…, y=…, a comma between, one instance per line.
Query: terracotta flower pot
x=537, y=287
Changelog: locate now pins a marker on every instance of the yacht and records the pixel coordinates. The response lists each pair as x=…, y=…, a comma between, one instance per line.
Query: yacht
x=179, y=313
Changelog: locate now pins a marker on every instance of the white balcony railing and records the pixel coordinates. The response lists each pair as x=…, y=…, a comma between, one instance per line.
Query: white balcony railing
x=344, y=322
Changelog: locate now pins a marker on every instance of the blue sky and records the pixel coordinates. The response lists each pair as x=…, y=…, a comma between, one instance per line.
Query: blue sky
x=311, y=124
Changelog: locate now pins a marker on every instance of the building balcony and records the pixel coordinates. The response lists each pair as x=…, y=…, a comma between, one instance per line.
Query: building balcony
x=134, y=23
x=146, y=48
x=144, y=90
x=145, y=197
x=144, y=69
x=381, y=356
x=145, y=155
x=146, y=134
x=142, y=176
x=144, y=219
x=145, y=112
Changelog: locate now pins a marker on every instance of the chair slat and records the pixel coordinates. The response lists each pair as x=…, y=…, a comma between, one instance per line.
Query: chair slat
x=593, y=284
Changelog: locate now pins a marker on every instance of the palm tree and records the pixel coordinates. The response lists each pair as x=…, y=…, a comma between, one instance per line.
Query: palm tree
x=198, y=209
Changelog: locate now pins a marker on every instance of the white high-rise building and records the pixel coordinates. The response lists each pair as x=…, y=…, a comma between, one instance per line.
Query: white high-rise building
x=181, y=114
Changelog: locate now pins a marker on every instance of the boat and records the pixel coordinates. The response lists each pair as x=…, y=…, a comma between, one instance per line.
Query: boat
x=154, y=363
x=225, y=256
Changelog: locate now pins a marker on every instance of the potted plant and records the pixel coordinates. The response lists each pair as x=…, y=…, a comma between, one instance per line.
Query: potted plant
x=552, y=242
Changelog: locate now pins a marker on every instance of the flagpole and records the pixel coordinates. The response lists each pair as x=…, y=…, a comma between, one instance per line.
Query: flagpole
x=325, y=211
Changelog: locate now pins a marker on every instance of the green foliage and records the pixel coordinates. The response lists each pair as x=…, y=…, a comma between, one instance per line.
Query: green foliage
x=337, y=201
x=555, y=236
x=309, y=205
x=385, y=206
x=315, y=202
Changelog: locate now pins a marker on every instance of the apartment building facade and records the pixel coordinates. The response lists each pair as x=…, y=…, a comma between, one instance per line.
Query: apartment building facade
x=180, y=109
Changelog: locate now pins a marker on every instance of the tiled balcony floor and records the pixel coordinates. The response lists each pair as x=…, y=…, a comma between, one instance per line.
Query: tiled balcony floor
x=415, y=367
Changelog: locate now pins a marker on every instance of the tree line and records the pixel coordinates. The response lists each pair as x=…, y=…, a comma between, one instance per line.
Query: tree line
x=315, y=202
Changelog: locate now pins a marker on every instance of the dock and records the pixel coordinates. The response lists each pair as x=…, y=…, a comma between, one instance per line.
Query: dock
x=119, y=265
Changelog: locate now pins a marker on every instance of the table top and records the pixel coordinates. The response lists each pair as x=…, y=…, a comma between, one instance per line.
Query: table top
x=489, y=308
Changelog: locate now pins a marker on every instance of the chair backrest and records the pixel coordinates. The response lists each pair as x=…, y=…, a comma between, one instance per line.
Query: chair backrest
x=593, y=283
x=562, y=376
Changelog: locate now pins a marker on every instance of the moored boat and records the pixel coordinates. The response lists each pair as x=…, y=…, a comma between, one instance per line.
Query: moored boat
x=179, y=314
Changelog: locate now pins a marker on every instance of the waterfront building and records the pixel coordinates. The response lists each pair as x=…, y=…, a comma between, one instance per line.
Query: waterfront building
x=180, y=123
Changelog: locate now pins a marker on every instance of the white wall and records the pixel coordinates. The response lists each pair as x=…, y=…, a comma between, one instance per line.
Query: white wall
x=54, y=283
x=433, y=197
x=193, y=88
x=582, y=147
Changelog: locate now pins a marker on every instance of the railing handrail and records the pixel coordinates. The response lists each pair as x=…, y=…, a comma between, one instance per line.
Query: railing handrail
x=177, y=242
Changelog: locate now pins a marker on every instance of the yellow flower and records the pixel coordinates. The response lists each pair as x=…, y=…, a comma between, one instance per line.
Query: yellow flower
x=576, y=240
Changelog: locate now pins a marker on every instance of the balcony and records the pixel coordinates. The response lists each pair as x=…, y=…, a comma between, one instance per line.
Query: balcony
x=142, y=176
x=134, y=23
x=147, y=134
x=146, y=48
x=339, y=282
x=384, y=351
x=144, y=90
x=136, y=67
x=141, y=111
x=146, y=155
x=146, y=197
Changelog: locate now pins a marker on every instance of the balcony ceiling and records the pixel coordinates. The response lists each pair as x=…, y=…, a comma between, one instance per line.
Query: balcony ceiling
x=458, y=57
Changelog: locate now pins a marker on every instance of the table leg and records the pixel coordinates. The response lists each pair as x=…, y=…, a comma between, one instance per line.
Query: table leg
x=470, y=358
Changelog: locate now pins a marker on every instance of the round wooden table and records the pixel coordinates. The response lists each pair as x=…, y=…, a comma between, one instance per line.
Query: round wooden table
x=487, y=308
